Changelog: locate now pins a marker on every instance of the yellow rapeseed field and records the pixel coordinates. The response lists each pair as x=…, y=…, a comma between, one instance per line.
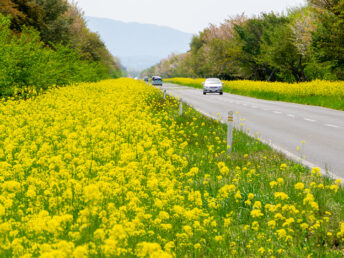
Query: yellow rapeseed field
x=104, y=170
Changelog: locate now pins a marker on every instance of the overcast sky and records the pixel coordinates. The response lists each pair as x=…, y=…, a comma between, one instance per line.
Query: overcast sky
x=185, y=15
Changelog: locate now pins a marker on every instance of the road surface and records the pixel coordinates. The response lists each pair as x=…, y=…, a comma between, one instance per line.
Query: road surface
x=284, y=126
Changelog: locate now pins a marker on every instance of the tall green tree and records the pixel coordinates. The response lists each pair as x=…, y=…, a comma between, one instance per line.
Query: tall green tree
x=328, y=39
x=251, y=35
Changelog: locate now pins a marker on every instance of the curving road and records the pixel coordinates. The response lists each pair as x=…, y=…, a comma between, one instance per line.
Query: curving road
x=284, y=126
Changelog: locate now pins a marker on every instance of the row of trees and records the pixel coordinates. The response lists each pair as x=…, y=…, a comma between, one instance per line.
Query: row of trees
x=305, y=44
x=47, y=42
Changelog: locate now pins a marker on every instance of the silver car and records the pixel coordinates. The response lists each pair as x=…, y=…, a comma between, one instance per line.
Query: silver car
x=212, y=85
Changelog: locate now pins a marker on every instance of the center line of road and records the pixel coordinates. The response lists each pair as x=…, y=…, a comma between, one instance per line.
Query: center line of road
x=277, y=112
x=334, y=126
x=291, y=115
x=309, y=120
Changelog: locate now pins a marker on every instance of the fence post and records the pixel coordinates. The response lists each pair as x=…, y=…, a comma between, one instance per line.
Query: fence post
x=164, y=94
x=229, y=131
x=181, y=107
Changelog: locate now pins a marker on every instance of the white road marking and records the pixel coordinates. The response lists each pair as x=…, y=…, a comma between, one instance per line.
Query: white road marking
x=277, y=112
x=330, y=125
x=291, y=115
x=254, y=106
x=310, y=120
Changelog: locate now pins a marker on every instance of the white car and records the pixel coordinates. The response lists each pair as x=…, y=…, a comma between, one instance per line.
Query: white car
x=212, y=85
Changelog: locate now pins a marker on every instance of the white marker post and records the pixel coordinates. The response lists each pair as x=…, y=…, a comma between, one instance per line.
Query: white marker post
x=181, y=107
x=230, y=132
x=164, y=94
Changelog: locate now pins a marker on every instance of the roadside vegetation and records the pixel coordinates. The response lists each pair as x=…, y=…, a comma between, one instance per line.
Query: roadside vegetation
x=111, y=169
x=302, y=44
x=319, y=93
x=47, y=43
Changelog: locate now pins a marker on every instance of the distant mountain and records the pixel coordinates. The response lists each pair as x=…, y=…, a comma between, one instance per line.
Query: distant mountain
x=139, y=46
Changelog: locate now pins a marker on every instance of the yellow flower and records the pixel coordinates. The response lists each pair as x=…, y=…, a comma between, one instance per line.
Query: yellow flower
x=283, y=166
x=282, y=196
x=257, y=205
x=218, y=238
x=248, y=202
x=246, y=227
x=261, y=250
x=272, y=223
x=280, y=181
x=338, y=182
x=224, y=171
x=225, y=191
x=255, y=225
x=256, y=214
x=193, y=172
x=334, y=188
x=299, y=186
x=304, y=226
x=288, y=222
x=197, y=246
x=316, y=172
x=273, y=184
x=237, y=196
x=281, y=233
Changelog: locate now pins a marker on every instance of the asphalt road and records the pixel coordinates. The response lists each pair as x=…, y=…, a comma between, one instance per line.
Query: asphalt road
x=284, y=126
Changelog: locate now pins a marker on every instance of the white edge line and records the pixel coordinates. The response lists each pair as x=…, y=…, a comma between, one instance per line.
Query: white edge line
x=288, y=154
x=330, y=125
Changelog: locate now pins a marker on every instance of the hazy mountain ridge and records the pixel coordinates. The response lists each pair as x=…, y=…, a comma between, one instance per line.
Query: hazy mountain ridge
x=139, y=46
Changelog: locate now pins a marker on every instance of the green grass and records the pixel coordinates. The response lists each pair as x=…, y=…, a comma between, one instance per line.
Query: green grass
x=252, y=166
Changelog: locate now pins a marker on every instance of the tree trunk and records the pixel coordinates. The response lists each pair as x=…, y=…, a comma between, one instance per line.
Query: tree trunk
x=302, y=75
x=272, y=74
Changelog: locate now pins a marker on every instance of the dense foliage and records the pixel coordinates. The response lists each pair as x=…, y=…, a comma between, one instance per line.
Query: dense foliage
x=111, y=170
x=305, y=44
x=45, y=43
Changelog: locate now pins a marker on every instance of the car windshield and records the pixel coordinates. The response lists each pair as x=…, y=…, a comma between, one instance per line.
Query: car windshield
x=213, y=80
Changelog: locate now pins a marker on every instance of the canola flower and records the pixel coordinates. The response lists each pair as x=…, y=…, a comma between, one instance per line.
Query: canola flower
x=108, y=169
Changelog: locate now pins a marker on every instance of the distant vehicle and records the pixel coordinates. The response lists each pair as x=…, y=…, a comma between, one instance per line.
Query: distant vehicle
x=146, y=79
x=157, y=81
x=212, y=85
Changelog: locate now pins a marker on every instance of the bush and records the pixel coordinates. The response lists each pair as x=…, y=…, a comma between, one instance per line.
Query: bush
x=25, y=63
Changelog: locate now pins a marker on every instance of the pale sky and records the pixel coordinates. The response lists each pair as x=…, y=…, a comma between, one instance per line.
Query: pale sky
x=185, y=15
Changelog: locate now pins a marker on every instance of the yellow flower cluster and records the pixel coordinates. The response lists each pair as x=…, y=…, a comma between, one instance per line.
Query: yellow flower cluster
x=105, y=170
